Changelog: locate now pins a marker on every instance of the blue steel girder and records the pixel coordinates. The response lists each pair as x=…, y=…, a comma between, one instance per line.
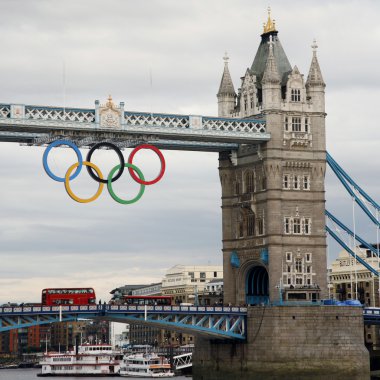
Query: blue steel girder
x=215, y=322
x=38, y=125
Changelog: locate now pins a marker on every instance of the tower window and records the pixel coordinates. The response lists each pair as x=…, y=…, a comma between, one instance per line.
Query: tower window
x=250, y=184
x=285, y=181
x=306, y=182
x=287, y=225
x=237, y=188
x=260, y=225
x=251, y=99
x=306, y=124
x=296, y=124
x=245, y=103
x=296, y=182
x=251, y=224
x=297, y=226
x=286, y=124
x=288, y=256
x=296, y=95
x=307, y=226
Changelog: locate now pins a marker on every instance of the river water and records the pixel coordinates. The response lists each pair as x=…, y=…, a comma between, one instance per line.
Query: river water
x=31, y=374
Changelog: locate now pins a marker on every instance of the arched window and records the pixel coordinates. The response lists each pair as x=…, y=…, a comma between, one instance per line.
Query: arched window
x=251, y=224
x=249, y=182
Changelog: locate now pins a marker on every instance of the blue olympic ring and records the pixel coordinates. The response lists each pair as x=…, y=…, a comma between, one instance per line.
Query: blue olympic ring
x=46, y=153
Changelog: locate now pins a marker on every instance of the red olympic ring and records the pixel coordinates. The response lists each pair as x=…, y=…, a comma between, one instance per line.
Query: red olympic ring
x=159, y=154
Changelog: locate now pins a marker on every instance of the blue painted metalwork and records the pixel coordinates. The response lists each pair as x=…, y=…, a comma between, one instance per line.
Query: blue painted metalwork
x=215, y=322
x=344, y=178
x=346, y=229
x=234, y=260
x=257, y=286
x=350, y=251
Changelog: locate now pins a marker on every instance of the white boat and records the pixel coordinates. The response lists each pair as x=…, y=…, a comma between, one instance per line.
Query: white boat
x=145, y=365
x=87, y=360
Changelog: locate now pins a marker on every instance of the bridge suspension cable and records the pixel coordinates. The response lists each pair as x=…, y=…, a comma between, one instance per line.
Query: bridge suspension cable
x=360, y=197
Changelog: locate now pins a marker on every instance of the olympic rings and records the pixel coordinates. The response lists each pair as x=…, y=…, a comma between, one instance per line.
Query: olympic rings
x=118, y=152
x=159, y=154
x=112, y=193
x=96, y=173
x=57, y=143
x=67, y=184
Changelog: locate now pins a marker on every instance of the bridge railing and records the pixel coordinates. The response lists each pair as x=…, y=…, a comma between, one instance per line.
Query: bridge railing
x=122, y=309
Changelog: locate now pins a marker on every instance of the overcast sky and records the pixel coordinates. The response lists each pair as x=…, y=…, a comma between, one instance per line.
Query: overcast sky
x=48, y=240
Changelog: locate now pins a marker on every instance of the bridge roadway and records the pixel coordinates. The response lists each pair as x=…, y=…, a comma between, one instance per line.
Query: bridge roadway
x=39, y=125
x=213, y=322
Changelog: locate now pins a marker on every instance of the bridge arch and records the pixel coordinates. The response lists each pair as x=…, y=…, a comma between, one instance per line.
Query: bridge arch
x=257, y=285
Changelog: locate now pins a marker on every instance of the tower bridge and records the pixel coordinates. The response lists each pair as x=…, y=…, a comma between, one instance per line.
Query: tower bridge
x=270, y=136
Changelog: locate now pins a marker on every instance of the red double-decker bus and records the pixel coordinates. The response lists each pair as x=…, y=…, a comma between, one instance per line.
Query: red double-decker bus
x=148, y=300
x=68, y=296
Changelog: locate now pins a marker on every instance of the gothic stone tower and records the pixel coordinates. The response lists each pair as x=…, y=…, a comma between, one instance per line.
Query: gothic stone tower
x=273, y=194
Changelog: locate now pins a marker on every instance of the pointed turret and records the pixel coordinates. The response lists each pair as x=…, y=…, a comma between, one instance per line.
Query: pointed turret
x=261, y=58
x=271, y=81
x=226, y=94
x=315, y=85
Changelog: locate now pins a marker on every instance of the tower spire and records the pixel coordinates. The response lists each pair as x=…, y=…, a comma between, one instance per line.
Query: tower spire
x=226, y=94
x=270, y=26
x=271, y=74
x=315, y=75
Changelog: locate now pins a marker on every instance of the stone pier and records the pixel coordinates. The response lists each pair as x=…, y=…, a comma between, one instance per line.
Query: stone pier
x=319, y=342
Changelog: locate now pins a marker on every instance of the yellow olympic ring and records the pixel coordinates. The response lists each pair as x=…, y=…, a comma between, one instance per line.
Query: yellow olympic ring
x=67, y=185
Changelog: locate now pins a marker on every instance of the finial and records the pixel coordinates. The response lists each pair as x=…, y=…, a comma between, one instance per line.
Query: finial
x=270, y=25
x=226, y=58
x=314, y=46
x=110, y=102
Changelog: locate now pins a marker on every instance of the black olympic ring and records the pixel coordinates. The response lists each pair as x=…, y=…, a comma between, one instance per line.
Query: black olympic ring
x=118, y=152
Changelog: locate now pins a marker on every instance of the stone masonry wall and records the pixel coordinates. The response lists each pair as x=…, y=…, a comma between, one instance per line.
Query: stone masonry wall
x=320, y=342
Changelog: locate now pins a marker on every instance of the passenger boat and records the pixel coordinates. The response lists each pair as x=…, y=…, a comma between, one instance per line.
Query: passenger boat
x=145, y=365
x=86, y=360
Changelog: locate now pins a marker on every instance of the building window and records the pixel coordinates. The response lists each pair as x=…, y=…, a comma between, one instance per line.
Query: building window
x=287, y=225
x=215, y=274
x=288, y=256
x=289, y=268
x=297, y=226
x=285, y=181
x=251, y=99
x=202, y=275
x=241, y=228
x=251, y=224
x=308, y=269
x=306, y=125
x=191, y=274
x=299, y=281
x=306, y=182
x=245, y=103
x=296, y=182
x=308, y=281
x=308, y=257
x=306, y=226
x=299, y=265
x=296, y=95
x=237, y=188
x=260, y=222
x=286, y=124
x=249, y=182
x=296, y=124
x=289, y=281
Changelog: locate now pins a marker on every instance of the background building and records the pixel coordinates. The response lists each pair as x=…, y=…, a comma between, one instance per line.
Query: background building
x=348, y=279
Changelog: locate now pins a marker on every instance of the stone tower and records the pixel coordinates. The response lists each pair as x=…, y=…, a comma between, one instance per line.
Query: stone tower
x=273, y=195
